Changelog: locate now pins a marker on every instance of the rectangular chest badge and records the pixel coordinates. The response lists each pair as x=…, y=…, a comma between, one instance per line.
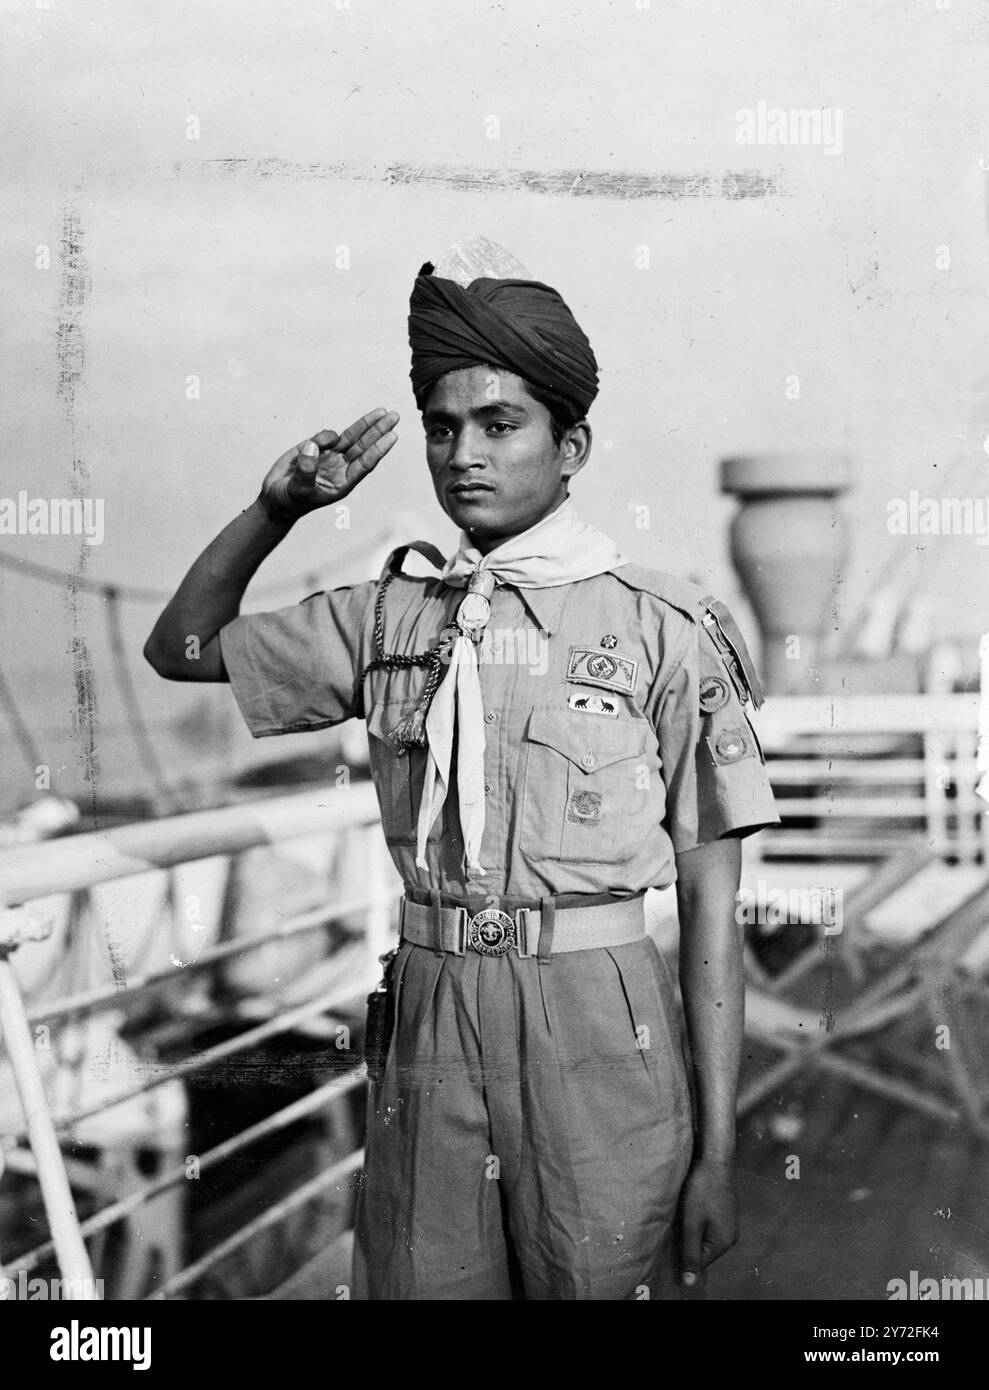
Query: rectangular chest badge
x=609, y=670
x=593, y=704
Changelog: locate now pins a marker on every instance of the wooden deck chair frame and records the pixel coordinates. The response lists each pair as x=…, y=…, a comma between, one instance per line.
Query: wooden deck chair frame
x=918, y=982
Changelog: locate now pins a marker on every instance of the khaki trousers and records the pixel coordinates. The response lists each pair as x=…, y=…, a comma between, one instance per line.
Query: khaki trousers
x=531, y=1133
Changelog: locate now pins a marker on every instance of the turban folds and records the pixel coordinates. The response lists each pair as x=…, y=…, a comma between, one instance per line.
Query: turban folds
x=520, y=325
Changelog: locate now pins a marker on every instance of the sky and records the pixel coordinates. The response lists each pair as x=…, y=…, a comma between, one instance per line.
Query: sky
x=248, y=190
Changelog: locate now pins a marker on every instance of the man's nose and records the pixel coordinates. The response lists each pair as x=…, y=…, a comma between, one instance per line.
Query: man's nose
x=468, y=452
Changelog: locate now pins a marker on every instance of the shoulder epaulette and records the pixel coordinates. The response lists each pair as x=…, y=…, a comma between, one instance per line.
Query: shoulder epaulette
x=680, y=593
x=691, y=600
x=723, y=631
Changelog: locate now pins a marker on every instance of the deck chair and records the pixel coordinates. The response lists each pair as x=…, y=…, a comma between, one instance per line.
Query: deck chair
x=915, y=1027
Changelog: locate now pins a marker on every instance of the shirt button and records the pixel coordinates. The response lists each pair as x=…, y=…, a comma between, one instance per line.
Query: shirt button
x=487, y=786
x=588, y=760
x=490, y=718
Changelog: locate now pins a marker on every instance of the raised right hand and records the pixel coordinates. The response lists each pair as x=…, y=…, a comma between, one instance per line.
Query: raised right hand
x=326, y=467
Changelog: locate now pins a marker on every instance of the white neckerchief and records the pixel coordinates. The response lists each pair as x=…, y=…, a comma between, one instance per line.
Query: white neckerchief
x=559, y=549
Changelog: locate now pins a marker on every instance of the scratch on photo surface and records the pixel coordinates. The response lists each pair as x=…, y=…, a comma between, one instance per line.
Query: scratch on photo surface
x=963, y=1256
x=70, y=346
x=828, y=1013
x=730, y=184
x=946, y=1214
x=75, y=286
x=759, y=1177
x=71, y=355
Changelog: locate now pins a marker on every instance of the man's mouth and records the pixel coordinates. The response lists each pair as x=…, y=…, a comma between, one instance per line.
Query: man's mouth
x=469, y=489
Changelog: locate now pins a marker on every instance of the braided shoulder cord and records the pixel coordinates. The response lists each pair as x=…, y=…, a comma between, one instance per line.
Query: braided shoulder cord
x=411, y=732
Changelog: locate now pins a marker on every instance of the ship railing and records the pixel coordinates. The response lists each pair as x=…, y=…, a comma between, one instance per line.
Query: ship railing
x=856, y=777
x=30, y=874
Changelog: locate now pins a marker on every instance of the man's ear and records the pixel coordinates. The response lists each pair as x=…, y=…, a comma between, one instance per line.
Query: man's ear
x=576, y=447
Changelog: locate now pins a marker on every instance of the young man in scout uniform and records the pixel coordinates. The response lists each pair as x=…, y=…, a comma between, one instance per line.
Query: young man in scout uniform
x=552, y=731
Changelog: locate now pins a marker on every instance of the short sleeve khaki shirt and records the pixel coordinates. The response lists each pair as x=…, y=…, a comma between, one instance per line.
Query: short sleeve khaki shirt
x=615, y=734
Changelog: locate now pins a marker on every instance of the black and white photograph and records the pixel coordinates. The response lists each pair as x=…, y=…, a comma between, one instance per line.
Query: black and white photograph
x=494, y=689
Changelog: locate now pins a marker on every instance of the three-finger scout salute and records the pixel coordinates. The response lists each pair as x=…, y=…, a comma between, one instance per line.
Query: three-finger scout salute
x=552, y=731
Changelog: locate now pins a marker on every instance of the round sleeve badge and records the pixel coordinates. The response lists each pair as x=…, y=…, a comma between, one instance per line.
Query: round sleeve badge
x=713, y=694
x=731, y=745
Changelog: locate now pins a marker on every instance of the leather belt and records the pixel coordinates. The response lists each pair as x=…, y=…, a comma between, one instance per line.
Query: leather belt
x=492, y=932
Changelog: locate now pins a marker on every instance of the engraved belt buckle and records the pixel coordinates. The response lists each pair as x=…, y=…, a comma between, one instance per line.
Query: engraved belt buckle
x=491, y=932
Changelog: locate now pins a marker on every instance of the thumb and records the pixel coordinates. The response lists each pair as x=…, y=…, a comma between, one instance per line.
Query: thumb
x=304, y=474
x=691, y=1251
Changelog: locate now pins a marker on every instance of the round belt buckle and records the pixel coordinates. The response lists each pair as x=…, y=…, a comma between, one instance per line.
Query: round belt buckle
x=491, y=932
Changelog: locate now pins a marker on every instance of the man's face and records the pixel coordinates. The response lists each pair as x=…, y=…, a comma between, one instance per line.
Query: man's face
x=495, y=465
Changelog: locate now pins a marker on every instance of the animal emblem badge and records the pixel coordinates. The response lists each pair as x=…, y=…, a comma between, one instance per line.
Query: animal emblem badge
x=593, y=704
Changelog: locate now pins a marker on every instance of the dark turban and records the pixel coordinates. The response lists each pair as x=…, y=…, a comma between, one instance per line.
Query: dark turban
x=520, y=325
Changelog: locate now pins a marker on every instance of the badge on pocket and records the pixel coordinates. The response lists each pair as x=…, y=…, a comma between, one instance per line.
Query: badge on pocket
x=593, y=704
x=610, y=671
x=584, y=808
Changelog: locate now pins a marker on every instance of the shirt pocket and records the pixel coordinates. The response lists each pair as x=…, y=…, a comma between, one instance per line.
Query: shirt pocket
x=591, y=788
x=398, y=776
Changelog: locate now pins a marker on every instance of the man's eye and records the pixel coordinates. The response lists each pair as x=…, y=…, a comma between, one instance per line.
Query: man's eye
x=501, y=426
x=438, y=432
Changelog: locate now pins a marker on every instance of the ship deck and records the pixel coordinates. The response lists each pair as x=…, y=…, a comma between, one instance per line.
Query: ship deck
x=882, y=1191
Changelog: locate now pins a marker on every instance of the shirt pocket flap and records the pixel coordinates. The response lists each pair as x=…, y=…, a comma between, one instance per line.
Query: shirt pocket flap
x=590, y=742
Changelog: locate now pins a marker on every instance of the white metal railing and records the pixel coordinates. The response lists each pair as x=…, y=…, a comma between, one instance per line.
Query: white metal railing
x=74, y=866
x=865, y=773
